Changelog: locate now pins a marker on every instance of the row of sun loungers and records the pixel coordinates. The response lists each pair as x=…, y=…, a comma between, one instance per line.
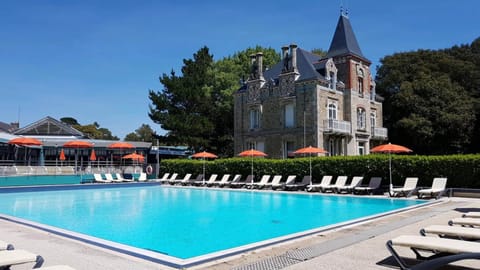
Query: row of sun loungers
x=439, y=245
x=355, y=186
x=9, y=256
x=109, y=178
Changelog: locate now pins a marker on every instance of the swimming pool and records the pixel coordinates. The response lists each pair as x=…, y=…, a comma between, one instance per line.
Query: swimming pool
x=184, y=225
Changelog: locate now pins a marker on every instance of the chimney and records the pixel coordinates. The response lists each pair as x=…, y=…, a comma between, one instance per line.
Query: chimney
x=293, y=53
x=253, y=64
x=260, y=65
x=285, y=59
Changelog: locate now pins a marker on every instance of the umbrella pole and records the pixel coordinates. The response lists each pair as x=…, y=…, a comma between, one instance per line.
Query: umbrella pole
x=390, y=170
x=252, y=168
x=310, y=169
x=203, y=176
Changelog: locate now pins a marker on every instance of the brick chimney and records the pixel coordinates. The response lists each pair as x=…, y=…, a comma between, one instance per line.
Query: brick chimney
x=260, y=65
x=293, y=53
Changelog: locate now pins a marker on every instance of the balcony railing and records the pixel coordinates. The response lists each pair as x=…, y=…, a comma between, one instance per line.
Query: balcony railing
x=379, y=132
x=337, y=126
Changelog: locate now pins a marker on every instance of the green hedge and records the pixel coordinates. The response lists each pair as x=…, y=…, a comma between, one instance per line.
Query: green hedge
x=461, y=170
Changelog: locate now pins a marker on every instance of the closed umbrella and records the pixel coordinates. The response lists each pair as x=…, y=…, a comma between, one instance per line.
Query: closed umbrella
x=252, y=153
x=310, y=150
x=390, y=148
x=204, y=155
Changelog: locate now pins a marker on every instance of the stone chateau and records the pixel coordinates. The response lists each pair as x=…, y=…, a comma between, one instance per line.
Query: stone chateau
x=327, y=102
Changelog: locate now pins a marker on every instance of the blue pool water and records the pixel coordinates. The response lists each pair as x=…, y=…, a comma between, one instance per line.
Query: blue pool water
x=188, y=222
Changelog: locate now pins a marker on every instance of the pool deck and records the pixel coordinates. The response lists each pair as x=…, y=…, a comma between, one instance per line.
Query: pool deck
x=360, y=246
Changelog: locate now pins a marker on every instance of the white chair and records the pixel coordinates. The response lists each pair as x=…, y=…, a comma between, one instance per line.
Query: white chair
x=340, y=182
x=98, y=178
x=409, y=187
x=263, y=182
x=326, y=180
x=142, y=177
x=438, y=188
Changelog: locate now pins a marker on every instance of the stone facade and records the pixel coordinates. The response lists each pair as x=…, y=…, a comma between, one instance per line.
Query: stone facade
x=305, y=99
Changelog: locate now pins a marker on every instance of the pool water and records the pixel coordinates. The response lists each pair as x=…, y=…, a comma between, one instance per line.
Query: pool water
x=188, y=222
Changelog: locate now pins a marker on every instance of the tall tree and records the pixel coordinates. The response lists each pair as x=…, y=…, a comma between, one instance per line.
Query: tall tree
x=429, y=104
x=142, y=134
x=196, y=108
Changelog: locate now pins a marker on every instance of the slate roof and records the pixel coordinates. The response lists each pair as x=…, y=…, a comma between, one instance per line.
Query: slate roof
x=344, y=41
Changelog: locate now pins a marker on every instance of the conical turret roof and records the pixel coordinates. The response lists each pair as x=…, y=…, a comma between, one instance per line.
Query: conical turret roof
x=344, y=41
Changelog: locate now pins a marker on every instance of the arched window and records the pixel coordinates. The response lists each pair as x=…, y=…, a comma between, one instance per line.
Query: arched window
x=361, y=119
x=332, y=110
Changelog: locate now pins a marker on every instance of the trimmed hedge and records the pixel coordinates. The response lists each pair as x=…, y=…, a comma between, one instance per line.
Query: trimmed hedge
x=461, y=170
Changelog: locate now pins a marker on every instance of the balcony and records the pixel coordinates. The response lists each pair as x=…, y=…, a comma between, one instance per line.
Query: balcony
x=379, y=133
x=337, y=126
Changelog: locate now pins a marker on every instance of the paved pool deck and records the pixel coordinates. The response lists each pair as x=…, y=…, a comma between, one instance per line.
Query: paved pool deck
x=360, y=246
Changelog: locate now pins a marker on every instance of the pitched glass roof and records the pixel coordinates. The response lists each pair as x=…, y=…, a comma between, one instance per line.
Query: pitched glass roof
x=50, y=127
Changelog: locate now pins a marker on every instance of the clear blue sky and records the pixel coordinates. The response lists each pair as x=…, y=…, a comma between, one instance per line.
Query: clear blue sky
x=96, y=60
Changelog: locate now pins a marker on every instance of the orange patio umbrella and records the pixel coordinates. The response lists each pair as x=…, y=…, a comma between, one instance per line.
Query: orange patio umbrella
x=252, y=153
x=77, y=144
x=310, y=150
x=390, y=148
x=204, y=155
x=121, y=145
x=25, y=141
x=134, y=156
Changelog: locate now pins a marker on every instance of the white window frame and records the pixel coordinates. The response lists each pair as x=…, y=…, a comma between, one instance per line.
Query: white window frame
x=361, y=118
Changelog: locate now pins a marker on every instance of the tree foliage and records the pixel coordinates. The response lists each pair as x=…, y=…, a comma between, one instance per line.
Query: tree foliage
x=142, y=134
x=196, y=107
x=430, y=98
x=92, y=131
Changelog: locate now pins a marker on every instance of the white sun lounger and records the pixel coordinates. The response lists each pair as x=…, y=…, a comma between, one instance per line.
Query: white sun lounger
x=275, y=181
x=172, y=179
x=326, y=181
x=239, y=183
x=439, y=246
x=409, y=187
x=290, y=179
x=110, y=178
x=6, y=246
x=263, y=181
x=120, y=177
x=356, y=181
x=373, y=186
x=461, y=233
x=98, y=178
x=306, y=180
x=208, y=182
x=340, y=182
x=438, y=188
x=472, y=215
x=224, y=181
x=180, y=181
x=465, y=221
x=164, y=178
x=19, y=256
x=142, y=177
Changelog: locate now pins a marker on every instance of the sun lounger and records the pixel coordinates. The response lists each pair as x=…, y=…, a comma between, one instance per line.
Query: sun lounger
x=142, y=177
x=409, y=187
x=373, y=186
x=239, y=183
x=263, y=181
x=437, y=263
x=472, y=214
x=299, y=186
x=164, y=178
x=340, y=182
x=206, y=182
x=445, y=231
x=198, y=179
x=110, y=178
x=281, y=185
x=172, y=179
x=275, y=181
x=6, y=246
x=438, y=188
x=326, y=181
x=439, y=247
x=180, y=181
x=98, y=178
x=120, y=177
x=356, y=182
x=465, y=221
x=19, y=256
x=225, y=180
